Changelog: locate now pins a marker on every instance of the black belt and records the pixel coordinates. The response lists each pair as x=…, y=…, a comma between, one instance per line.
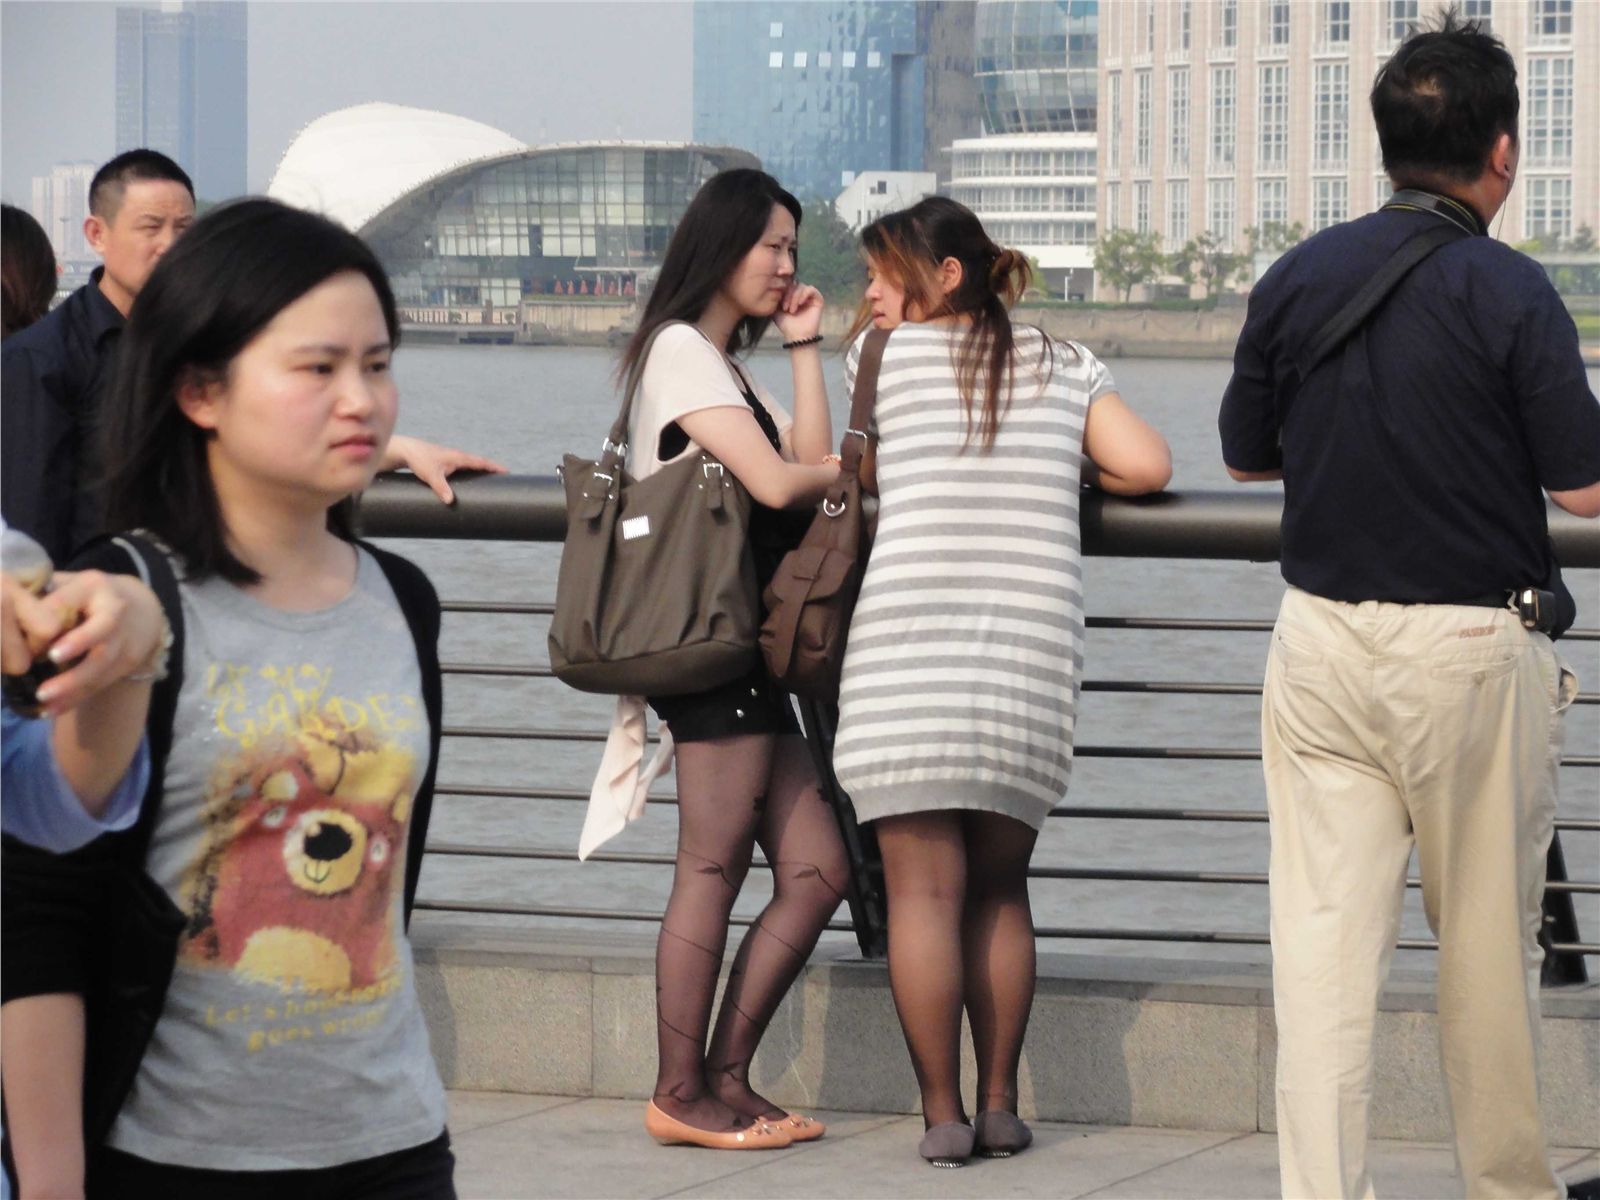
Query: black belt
x=1500, y=599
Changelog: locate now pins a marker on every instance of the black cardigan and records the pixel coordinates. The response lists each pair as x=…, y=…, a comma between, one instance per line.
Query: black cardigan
x=48, y=931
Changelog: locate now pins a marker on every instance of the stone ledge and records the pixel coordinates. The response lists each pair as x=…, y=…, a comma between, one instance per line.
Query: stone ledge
x=1112, y=1040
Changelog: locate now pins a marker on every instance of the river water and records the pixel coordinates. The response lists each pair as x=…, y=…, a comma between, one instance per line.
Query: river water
x=528, y=405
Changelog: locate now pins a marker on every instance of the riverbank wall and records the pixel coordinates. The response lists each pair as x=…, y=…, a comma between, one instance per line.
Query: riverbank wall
x=1112, y=1041
x=1108, y=332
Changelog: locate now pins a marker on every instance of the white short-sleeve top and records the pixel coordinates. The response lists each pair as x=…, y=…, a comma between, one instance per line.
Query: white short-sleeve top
x=685, y=373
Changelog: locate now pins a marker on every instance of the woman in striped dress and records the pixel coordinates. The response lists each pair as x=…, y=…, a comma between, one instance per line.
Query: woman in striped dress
x=960, y=685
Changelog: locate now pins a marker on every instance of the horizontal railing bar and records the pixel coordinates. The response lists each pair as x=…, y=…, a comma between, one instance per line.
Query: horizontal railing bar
x=582, y=914
x=512, y=608
x=506, y=608
x=1163, y=753
x=1088, y=934
x=1137, y=687
x=1077, y=811
x=1239, y=525
x=1100, y=874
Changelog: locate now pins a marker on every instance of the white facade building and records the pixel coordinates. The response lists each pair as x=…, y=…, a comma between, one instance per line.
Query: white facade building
x=61, y=205
x=1035, y=192
x=1220, y=115
x=872, y=193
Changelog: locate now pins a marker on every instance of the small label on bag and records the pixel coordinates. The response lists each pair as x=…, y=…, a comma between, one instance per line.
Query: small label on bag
x=635, y=527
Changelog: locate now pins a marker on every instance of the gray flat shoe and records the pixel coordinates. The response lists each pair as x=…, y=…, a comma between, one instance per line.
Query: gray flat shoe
x=1001, y=1134
x=948, y=1145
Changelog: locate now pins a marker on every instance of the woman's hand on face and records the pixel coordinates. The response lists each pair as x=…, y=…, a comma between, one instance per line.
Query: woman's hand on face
x=799, y=315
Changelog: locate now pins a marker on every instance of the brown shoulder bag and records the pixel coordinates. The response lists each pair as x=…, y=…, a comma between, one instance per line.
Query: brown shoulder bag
x=811, y=598
x=657, y=590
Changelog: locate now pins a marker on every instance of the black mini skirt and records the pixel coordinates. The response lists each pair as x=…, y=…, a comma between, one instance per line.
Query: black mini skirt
x=753, y=703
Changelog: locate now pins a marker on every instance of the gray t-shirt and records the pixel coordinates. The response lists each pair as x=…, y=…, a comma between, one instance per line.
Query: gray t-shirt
x=291, y=1037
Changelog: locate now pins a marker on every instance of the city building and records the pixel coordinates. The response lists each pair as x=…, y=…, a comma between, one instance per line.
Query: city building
x=61, y=205
x=469, y=221
x=1031, y=177
x=1229, y=114
x=873, y=193
x=182, y=75
x=821, y=92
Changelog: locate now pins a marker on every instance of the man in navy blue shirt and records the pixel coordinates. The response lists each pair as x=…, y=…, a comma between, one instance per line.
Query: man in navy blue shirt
x=1405, y=702
x=56, y=370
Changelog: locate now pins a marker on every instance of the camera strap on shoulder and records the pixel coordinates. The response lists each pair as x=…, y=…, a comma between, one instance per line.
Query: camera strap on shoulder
x=1374, y=292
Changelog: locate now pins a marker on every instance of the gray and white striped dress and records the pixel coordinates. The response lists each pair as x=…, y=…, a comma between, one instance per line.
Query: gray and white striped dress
x=961, y=674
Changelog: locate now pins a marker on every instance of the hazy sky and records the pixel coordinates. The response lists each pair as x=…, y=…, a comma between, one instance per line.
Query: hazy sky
x=552, y=70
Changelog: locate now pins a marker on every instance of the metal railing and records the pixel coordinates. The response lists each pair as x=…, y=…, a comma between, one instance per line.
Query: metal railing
x=1239, y=526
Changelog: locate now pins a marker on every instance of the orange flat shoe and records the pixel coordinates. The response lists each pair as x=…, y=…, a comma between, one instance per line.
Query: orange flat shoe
x=800, y=1127
x=669, y=1131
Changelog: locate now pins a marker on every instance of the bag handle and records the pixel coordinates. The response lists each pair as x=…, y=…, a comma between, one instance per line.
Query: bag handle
x=617, y=440
x=853, y=446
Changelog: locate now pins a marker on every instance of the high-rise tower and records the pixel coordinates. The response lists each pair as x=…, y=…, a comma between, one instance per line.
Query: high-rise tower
x=182, y=71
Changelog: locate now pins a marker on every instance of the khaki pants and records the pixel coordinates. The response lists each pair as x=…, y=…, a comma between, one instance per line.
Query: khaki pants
x=1384, y=725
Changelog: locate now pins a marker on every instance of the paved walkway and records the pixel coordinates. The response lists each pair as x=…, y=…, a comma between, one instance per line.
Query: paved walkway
x=513, y=1146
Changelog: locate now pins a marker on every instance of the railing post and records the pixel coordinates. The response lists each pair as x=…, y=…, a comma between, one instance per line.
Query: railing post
x=1559, y=923
x=868, y=912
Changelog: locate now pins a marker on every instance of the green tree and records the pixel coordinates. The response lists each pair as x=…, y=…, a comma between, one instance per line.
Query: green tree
x=1274, y=237
x=830, y=256
x=1206, y=261
x=1124, y=259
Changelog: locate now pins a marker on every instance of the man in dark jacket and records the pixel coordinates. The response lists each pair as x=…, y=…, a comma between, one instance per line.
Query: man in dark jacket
x=56, y=371
x=1412, y=694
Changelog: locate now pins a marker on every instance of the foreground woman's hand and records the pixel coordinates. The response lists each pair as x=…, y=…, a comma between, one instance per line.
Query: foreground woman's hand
x=434, y=464
x=108, y=626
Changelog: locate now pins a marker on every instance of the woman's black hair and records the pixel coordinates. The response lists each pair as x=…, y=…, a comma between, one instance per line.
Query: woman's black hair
x=27, y=270
x=218, y=287
x=725, y=219
x=1442, y=100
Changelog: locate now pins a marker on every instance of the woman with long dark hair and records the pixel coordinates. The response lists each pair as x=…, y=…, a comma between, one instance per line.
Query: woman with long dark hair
x=744, y=775
x=253, y=399
x=27, y=270
x=960, y=683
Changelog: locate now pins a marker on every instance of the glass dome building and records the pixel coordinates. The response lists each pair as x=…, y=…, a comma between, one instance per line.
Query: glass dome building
x=1036, y=65
x=465, y=217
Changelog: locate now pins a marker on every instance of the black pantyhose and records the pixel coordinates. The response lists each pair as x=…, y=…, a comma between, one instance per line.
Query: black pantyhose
x=732, y=793
x=960, y=935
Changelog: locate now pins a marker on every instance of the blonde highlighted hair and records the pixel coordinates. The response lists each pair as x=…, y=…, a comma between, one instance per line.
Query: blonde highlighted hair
x=909, y=246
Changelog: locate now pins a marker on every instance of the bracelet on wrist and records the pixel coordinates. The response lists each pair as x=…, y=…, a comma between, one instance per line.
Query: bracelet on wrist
x=155, y=667
x=800, y=342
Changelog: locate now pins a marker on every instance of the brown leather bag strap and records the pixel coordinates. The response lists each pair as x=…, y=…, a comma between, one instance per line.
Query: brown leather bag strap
x=854, y=444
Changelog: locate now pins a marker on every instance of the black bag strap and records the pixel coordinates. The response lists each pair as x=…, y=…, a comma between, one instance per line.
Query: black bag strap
x=155, y=568
x=1374, y=292
x=419, y=604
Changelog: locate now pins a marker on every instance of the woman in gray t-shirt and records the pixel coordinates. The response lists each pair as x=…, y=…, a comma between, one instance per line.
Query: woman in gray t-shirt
x=254, y=399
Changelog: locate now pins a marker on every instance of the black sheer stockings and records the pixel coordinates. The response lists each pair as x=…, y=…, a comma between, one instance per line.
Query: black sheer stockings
x=731, y=793
x=770, y=957
x=960, y=936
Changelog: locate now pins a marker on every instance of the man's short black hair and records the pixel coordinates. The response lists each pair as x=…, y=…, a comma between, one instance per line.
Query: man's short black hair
x=105, y=191
x=1443, y=99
